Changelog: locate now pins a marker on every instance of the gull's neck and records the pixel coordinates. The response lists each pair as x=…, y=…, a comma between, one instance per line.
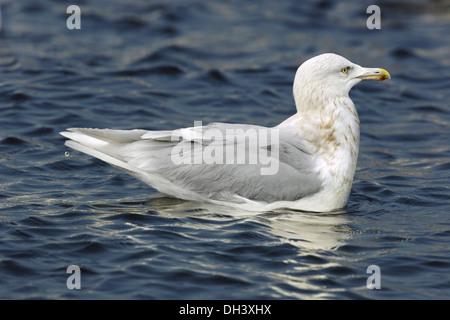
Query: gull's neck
x=332, y=131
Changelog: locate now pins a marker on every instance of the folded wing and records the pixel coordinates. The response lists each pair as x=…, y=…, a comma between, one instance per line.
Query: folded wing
x=225, y=162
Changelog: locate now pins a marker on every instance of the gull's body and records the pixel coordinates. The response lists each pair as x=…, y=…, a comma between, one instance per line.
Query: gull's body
x=316, y=149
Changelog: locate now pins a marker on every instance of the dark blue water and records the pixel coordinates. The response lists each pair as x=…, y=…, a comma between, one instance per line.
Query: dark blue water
x=165, y=64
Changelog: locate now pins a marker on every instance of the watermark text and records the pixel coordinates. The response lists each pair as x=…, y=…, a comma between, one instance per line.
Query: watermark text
x=231, y=145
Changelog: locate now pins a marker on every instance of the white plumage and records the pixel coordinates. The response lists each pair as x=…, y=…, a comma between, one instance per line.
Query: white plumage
x=306, y=163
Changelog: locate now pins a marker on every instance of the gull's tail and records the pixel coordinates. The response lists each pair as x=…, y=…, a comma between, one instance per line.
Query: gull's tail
x=105, y=144
x=142, y=154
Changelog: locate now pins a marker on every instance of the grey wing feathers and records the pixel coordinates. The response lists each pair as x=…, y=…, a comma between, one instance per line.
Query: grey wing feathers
x=149, y=156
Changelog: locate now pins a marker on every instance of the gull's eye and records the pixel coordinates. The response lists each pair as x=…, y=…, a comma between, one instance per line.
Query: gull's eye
x=345, y=70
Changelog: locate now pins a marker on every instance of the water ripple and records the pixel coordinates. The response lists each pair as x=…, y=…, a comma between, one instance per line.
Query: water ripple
x=164, y=65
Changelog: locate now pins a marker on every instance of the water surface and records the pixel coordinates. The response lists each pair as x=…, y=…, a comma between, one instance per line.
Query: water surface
x=163, y=65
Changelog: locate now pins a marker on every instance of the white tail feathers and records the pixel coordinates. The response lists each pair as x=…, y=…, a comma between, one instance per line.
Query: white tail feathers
x=85, y=139
x=99, y=144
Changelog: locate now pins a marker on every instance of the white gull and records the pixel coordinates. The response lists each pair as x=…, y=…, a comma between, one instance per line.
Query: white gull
x=312, y=154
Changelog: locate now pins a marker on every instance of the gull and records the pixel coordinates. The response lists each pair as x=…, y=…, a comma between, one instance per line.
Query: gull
x=305, y=163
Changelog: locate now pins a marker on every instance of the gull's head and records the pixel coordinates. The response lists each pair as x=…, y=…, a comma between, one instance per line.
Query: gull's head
x=329, y=76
